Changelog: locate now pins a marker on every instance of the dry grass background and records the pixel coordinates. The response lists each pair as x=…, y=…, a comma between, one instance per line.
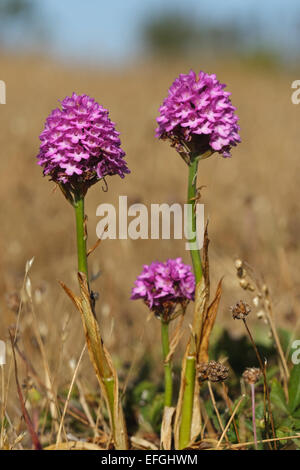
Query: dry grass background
x=252, y=201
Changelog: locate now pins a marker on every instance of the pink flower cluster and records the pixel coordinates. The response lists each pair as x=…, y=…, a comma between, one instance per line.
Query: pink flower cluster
x=197, y=110
x=79, y=143
x=172, y=281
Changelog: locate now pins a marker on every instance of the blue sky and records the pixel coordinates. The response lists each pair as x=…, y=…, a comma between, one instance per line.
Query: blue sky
x=110, y=30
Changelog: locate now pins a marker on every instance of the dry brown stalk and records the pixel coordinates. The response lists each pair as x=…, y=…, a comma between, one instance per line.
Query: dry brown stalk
x=230, y=421
x=58, y=438
x=213, y=400
x=229, y=405
x=208, y=325
x=35, y=440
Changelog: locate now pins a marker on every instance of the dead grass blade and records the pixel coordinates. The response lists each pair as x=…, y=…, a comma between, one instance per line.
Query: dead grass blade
x=208, y=324
x=73, y=297
x=230, y=420
x=54, y=409
x=277, y=439
x=92, y=332
x=35, y=440
x=166, y=428
x=212, y=396
x=201, y=300
x=74, y=445
x=27, y=268
x=86, y=408
x=142, y=444
x=58, y=438
x=91, y=250
x=224, y=391
x=175, y=339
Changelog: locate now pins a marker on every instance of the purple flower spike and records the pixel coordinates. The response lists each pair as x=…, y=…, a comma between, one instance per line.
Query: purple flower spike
x=198, y=116
x=80, y=145
x=164, y=286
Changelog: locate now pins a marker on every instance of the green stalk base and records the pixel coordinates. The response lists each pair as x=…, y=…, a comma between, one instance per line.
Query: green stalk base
x=187, y=404
x=167, y=365
x=190, y=371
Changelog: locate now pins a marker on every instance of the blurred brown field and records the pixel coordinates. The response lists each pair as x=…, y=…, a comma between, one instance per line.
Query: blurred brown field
x=251, y=200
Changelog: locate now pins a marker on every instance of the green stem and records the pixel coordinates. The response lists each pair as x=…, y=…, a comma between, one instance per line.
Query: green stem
x=81, y=236
x=192, y=223
x=188, y=401
x=167, y=365
x=109, y=384
x=107, y=376
x=190, y=371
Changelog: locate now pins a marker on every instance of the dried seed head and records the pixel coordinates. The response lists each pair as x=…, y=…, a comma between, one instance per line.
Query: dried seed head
x=217, y=372
x=240, y=310
x=244, y=284
x=260, y=314
x=202, y=370
x=240, y=270
x=265, y=289
x=255, y=301
x=238, y=263
x=213, y=371
x=252, y=375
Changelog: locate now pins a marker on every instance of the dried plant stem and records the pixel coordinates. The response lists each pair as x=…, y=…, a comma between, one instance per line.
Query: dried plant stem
x=270, y=318
x=213, y=400
x=85, y=408
x=51, y=393
x=10, y=367
x=252, y=386
x=229, y=404
x=167, y=363
x=285, y=438
x=58, y=438
x=207, y=423
x=34, y=437
x=190, y=371
x=230, y=421
x=266, y=388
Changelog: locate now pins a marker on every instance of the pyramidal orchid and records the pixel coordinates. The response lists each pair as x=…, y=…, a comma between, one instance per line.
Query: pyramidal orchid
x=79, y=147
x=166, y=288
x=198, y=119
